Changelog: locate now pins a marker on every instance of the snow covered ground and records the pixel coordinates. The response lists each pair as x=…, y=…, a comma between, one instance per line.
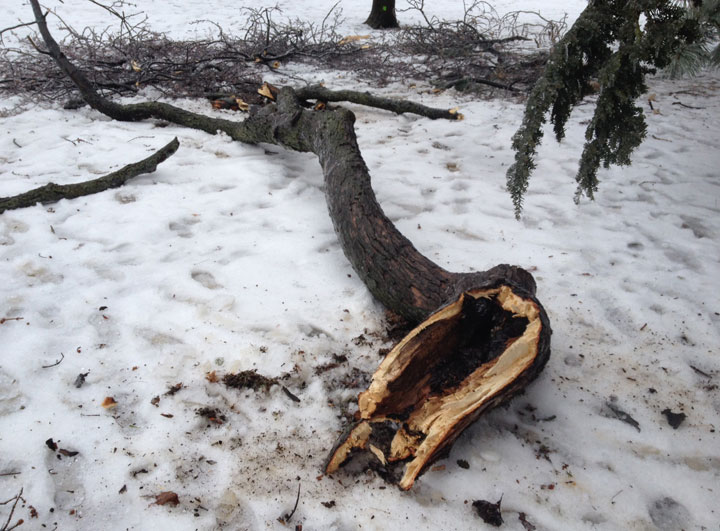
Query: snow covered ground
x=225, y=260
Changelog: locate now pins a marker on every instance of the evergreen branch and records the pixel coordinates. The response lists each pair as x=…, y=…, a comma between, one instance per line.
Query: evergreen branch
x=608, y=42
x=618, y=125
x=562, y=85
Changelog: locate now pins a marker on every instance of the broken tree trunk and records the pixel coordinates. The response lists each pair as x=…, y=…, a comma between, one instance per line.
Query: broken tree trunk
x=481, y=337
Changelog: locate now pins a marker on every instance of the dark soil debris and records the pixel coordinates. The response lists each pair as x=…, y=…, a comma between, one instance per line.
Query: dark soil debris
x=362, y=341
x=212, y=414
x=338, y=359
x=489, y=512
x=80, y=380
x=355, y=378
x=527, y=525
x=543, y=452
x=249, y=380
x=67, y=453
x=329, y=504
x=396, y=326
x=463, y=464
x=674, y=419
x=174, y=389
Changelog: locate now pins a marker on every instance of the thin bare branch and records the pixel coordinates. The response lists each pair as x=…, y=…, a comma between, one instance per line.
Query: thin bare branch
x=21, y=25
x=15, y=499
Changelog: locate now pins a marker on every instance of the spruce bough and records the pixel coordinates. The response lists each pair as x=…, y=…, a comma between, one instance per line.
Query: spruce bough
x=614, y=44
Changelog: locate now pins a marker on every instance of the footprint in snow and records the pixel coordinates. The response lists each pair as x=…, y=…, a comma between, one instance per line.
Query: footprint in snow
x=205, y=279
x=66, y=472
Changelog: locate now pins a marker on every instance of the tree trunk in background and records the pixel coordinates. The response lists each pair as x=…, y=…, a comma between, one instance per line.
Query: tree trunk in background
x=382, y=15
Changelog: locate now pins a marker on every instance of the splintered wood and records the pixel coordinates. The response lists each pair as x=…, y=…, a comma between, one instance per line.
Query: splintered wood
x=459, y=362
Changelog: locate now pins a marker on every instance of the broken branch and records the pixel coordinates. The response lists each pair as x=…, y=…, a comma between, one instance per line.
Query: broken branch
x=316, y=92
x=51, y=192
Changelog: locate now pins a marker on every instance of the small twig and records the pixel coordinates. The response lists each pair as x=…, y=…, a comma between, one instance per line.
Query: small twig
x=289, y=394
x=686, y=106
x=327, y=15
x=5, y=319
x=3, y=474
x=16, y=499
x=121, y=16
x=37, y=48
x=623, y=416
x=287, y=517
x=21, y=25
x=700, y=372
x=58, y=362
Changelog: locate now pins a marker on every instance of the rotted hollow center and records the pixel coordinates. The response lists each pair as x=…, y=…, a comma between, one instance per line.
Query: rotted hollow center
x=460, y=361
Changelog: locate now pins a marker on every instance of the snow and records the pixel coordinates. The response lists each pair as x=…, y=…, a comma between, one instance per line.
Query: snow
x=225, y=259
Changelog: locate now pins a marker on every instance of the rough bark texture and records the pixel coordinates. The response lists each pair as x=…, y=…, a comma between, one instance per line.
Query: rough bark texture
x=491, y=357
x=382, y=15
x=51, y=192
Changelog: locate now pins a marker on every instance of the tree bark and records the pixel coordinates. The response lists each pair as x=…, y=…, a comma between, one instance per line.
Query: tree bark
x=382, y=15
x=481, y=337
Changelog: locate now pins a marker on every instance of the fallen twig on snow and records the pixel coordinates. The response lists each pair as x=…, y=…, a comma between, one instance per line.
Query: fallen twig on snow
x=15, y=499
x=58, y=362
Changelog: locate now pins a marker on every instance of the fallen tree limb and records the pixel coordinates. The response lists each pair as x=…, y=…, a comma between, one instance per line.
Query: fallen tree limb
x=324, y=95
x=316, y=92
x=51, y=192
x=481, y=336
